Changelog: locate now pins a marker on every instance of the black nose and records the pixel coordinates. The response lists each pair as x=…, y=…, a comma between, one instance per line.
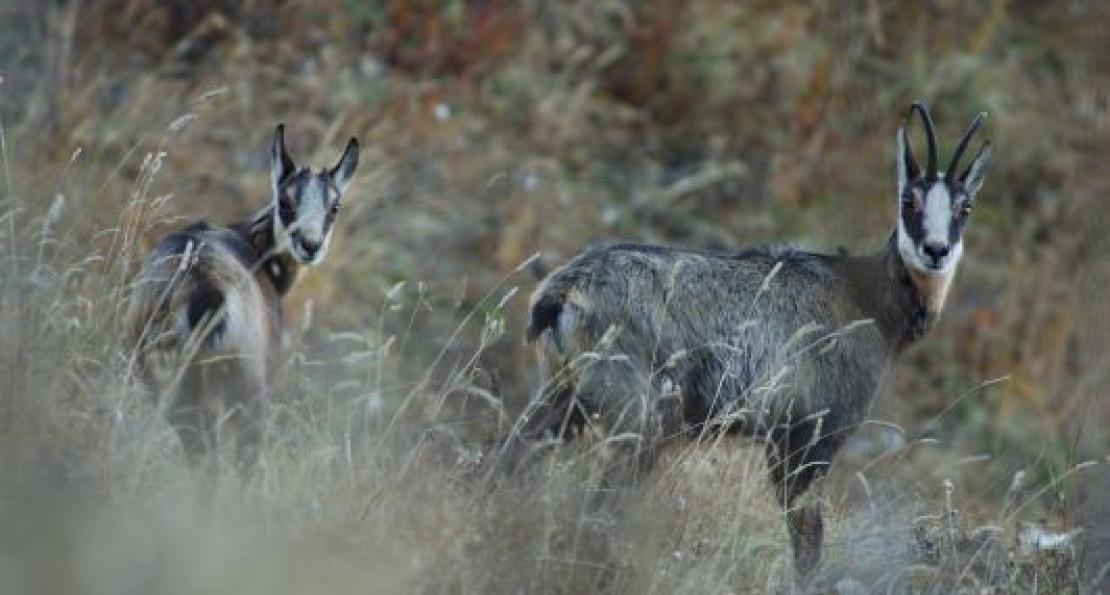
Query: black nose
x=310, y=247
x=307, y=246
x=935, y=250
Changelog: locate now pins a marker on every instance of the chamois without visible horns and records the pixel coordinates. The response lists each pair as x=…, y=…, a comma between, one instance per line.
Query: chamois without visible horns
x=206, y=314
x=786, y=346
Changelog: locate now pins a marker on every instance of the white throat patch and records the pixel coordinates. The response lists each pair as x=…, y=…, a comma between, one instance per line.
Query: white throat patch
x=936, y=221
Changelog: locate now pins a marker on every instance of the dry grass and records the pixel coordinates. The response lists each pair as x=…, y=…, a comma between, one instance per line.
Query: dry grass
x=496, y=130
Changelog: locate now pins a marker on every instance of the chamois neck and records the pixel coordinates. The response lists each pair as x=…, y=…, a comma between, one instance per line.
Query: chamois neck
x=904, y=303
x=270, y=263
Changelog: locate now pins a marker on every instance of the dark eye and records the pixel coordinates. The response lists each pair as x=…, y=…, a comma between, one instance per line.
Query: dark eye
x=285, y=211
x=335, y=209
x=965, y=209
x=909, y=205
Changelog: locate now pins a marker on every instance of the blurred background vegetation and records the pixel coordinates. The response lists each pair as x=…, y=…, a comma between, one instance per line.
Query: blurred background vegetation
x=496, y=129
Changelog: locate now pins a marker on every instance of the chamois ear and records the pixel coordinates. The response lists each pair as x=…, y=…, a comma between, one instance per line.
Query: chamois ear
x=343, y=171
x=906, y=165
x=281, y=164
x=976, y=172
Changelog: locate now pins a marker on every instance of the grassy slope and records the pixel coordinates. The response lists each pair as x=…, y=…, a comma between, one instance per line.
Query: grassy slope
x=496, y=130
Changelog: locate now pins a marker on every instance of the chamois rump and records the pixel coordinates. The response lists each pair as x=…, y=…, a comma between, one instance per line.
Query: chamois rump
x=779, y=344
x=205, y=318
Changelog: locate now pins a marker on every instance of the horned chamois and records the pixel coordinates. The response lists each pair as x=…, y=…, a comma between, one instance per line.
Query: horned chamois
x=206, y=313
x=773, y=342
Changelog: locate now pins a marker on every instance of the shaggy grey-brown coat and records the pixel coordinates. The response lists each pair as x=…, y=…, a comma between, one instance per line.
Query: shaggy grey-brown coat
x=773, y=342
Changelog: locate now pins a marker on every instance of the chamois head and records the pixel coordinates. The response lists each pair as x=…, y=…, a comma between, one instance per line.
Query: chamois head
x=935, y=205
x=305, y=201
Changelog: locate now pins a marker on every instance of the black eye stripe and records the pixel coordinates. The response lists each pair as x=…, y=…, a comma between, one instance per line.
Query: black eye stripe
x=914, y=224
x=287, y=212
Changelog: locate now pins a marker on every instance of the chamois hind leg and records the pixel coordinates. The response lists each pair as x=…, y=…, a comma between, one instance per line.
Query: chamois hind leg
x=244, y=396
x=595, y=389
x=620, y=394
x=797, y=458
x=192, y=414
x=554, y=414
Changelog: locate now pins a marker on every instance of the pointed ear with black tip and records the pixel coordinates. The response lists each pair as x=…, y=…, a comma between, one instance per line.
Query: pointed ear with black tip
x=343, y=171
x=281, y=163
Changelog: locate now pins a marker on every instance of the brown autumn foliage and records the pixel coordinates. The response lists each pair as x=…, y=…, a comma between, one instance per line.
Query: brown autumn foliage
x=496, y=129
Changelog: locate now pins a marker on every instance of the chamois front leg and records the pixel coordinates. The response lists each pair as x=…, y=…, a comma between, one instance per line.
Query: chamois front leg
x=797, y=458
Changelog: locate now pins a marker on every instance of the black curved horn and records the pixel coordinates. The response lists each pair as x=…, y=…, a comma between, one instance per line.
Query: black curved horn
x=950, y=174
x=931, y=136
